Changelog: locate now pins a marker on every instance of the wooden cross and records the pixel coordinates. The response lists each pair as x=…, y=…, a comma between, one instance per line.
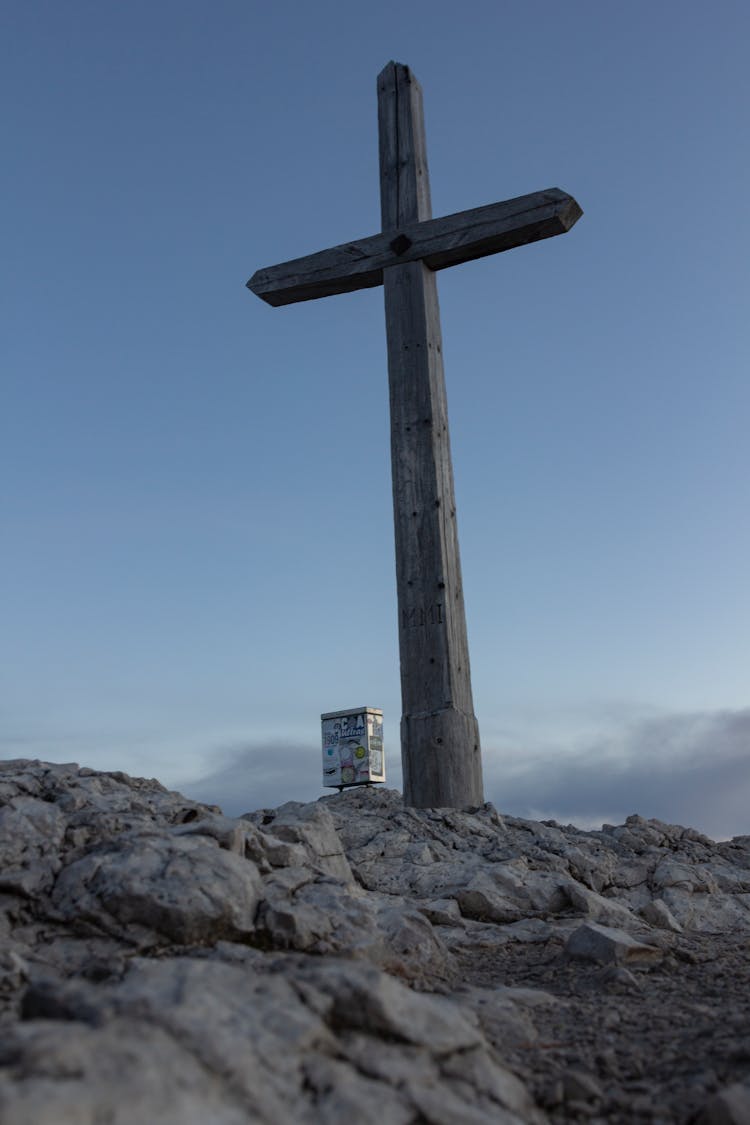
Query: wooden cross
x=439, y=733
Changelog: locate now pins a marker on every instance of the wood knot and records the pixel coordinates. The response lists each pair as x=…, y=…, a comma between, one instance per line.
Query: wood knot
x=400, y=244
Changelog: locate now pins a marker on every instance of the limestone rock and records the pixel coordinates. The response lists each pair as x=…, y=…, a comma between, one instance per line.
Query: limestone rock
x=502, y=1018
x=606, y=911
x=312, y=828
x=350, y=959
x=603, y=944
x=730, y=1106
x=126, y=1073
x=578, y=1085
x=442, y=912
x=185, y=889
x=31, y=831
x=365, y=999
x=259, y=1037
x=658, y=914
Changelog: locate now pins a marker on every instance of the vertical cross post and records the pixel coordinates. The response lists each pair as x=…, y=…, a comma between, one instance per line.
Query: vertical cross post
x=439, y=732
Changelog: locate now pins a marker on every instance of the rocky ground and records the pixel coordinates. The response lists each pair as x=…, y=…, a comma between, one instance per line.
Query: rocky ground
x=350, y=960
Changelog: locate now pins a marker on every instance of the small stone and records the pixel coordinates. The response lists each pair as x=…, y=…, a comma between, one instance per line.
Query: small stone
x=605, y=945
x=671, y=874
x=606, y=1060
x=553, y=1094
x=442, y=912
x=482, y=899
x=658, y=914
x=502, y=1020
x=597, y=908
x=620, y=979
x=579, y=1085
x=731, y=1106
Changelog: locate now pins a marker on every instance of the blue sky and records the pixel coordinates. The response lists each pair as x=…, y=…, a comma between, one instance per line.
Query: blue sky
x=198, y=546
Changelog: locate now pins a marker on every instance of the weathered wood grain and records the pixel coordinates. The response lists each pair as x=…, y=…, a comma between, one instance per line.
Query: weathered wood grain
x=447, y=241
x=440, y=748
x=402, y=146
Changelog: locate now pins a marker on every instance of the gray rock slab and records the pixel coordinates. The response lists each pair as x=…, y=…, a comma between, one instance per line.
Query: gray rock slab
x=365, y=999
x=126, y=1073
x=310, y=826
x=607, y=911
x=298, y=964
x=731, y=1106
x=442, y=912
x=483, y=900
x=344, y=1095
x=605, y=945
x=31, y=832
x=658, y=914
x=502, y=1019
x=185, y=889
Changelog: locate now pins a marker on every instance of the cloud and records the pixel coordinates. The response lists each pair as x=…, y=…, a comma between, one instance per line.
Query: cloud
x=256, y=776
x=689, y=769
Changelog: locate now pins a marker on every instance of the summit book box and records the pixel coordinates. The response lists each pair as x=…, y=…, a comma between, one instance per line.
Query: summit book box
x=352, y=747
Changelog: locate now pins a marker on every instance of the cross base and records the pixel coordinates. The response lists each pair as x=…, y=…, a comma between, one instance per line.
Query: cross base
x=435, y=773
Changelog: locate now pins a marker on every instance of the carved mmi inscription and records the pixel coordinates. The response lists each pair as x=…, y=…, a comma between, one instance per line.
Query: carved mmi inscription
x=421, y=615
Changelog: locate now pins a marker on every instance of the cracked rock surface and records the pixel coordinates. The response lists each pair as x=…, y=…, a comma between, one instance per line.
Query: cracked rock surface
x=350, y=960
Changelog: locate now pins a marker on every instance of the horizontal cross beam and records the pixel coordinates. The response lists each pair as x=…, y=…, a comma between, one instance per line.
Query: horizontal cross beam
x=443, y=242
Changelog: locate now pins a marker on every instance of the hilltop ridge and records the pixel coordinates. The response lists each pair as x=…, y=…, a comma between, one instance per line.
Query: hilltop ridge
x=353, y=960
